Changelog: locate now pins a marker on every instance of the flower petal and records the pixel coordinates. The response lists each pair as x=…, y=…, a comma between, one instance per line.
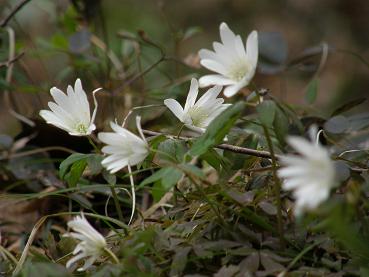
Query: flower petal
x=175, y=108
x=226, y=34
x=214, y=66
x=210, y=95
x=232, y=90
x=192, y=95
x=252, y=48
x=215, y=79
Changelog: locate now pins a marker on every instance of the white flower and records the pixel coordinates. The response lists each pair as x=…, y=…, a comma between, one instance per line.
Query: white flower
x=311, y=176
x=234, y=64
x=71, y=111
x=123, y=147
x=91, y=245
x=198, y=115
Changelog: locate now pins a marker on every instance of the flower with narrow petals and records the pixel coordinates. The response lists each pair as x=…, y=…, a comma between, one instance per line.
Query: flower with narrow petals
x=71, y=111
x=198, y=115
x=123, y=147
x=310, y=176
x=234, y=64
x=91, y=243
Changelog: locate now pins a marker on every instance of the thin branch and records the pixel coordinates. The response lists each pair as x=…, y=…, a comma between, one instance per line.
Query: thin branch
x=9, y=62
x=36, y=151
x=8, y=100
x=229, y=147
x=139, y=75
x=12, y=13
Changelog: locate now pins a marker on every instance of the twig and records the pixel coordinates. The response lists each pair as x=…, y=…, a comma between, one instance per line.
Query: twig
x=229, y=147
x=38, y=150
x=8, y=78
x=9, y=62
x=16, y=9
x=139, y=75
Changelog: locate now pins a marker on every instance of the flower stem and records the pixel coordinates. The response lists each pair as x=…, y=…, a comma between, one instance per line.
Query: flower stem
x=180, y=131
x=93, y=144
x=111, y=255
x=133, y=194
x=116, y=203
x=277, y=186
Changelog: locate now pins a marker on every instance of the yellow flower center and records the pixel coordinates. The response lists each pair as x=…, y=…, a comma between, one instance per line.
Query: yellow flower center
x=238, y=71
x=81, y=128
x=198, y=116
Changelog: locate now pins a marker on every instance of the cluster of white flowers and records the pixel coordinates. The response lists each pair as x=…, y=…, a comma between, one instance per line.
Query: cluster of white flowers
x=310, y=176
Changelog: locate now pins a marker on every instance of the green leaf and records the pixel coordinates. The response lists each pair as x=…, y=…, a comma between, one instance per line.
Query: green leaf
x=164, y=180
x=266, y=112
x=312, y=91
x=110, y=178
x=75, y=173
x=154, y=177
x=94, y=164
x=44, y=269
x=193, y=170
x=174, y=150
x=168, y=175
x=280, y=125
x=216, y=160
x=171, y=178
x=59, y=41
x=340, y=224
x=217, y=129
x=179, y=261
x=68, y=162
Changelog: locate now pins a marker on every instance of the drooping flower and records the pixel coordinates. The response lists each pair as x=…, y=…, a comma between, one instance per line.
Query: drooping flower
x=91, y=243
x=123, y=147
x=198, y=115
x=71, y=111
x=234, y=64
x=310, y=176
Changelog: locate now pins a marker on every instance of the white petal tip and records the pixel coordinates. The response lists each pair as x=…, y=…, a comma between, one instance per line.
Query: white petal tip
x=223, y=25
